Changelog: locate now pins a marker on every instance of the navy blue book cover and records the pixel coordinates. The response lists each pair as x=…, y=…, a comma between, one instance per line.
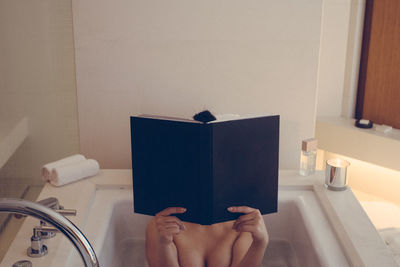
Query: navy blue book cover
x=205, y=167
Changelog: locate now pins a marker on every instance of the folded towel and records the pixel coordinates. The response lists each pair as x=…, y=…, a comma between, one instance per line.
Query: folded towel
x=69, y=173
x=46, y=169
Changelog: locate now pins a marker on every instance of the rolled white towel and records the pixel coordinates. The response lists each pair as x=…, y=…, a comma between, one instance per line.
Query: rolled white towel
x=69, y=173
x=46, y=169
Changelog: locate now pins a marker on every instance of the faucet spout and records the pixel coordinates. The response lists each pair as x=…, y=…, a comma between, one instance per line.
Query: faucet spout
x=64, y=225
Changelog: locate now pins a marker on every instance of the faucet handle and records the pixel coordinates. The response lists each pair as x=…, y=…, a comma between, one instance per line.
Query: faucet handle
x=45, y=235
x=54, y=204
x=66, y=212
x=43, y=224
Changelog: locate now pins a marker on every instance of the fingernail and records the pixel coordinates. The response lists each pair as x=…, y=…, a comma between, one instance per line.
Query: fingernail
x=183, y=209
x=230, y=208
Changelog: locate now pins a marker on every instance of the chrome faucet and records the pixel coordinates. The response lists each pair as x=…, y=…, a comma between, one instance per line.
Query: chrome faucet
x=61, y=223
x=37, y=248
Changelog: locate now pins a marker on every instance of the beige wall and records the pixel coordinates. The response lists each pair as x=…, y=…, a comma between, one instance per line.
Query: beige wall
x=37, y=81
x=341, y=35
x=179, y=57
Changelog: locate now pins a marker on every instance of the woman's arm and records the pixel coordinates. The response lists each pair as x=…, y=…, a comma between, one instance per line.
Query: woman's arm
x=250, y=246
x=160, y=248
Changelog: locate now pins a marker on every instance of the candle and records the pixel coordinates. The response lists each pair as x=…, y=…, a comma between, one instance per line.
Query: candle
x=335, y=174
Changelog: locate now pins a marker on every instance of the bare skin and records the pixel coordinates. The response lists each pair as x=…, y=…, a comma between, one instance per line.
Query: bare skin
x=173, y=243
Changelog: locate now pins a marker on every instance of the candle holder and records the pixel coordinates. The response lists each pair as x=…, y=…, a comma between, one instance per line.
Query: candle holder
x=336, y=174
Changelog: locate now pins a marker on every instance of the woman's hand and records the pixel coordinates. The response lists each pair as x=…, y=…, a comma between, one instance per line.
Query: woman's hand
x=168, y=226
x=251, y=222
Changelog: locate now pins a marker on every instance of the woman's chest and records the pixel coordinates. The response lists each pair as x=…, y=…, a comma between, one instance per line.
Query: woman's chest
x=210, y=249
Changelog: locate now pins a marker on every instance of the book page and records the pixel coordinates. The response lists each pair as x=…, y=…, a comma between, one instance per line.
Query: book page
x=219, y=118
x=232, y=117
x=160, y=117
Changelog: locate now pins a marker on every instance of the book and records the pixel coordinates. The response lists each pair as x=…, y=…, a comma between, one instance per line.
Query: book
x=204, y=167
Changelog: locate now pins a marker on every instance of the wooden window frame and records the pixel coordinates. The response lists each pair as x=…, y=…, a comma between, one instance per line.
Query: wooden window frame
x=369, y=5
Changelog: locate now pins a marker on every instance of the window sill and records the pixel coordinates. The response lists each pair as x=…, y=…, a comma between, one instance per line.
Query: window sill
x=339, y=135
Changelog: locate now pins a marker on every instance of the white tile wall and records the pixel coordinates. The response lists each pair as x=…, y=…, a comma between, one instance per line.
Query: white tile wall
x=178, y=57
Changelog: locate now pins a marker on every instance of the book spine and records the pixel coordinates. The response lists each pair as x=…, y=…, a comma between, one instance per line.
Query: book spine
x=206, y=174
x=210, y=174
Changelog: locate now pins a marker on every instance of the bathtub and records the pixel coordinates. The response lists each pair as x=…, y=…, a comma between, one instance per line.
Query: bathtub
x=300, y=234
x=313, y=226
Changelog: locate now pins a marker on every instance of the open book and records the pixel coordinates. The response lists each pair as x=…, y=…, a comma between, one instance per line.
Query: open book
x=205, y=167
